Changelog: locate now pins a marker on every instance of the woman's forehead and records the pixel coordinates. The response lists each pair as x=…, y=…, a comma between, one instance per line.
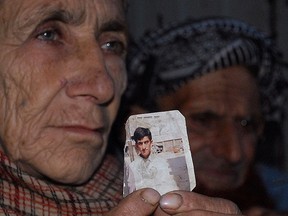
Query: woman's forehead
x=76, y=9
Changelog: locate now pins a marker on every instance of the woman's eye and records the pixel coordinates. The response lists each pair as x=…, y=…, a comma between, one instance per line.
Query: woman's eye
x=116, y=47
x=48, y=35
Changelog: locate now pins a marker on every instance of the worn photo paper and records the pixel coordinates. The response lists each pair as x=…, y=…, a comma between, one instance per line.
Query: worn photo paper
x=157, y=153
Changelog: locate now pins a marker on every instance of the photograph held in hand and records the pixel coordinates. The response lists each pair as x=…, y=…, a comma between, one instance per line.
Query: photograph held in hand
x=157, y=153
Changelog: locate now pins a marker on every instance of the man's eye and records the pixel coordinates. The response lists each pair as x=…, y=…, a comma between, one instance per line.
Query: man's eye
x=245, y=122
x=116, y=47
x=250, y=125
x=204, y=120
x=48, y=35
x=200, y=119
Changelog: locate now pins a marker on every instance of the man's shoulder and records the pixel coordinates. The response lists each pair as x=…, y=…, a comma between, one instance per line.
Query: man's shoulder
x=135, y=162
x=159, y=158
x=275, y=183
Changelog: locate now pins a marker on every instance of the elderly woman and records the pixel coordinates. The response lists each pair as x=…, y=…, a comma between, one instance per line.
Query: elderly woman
x=59, y=97
x=225, y=78
x=62, y=74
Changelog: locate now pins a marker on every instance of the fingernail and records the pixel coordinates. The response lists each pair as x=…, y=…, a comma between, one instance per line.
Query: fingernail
x=171, y=201
x=150, y=196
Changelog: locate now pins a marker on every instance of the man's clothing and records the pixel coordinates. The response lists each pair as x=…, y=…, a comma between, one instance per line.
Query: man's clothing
x=22, y=194
x=153, y=172
x=262, y=188
x=276, y=184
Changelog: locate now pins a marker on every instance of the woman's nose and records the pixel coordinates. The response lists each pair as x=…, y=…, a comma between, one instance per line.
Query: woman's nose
x=91, y=78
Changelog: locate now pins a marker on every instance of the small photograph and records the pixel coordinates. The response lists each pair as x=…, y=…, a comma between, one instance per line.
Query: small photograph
x=157, y=153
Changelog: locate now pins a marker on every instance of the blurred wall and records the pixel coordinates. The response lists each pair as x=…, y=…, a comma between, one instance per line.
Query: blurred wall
x=268, y=15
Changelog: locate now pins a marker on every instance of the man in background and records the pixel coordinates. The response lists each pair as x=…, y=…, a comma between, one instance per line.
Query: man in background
x=224, y=76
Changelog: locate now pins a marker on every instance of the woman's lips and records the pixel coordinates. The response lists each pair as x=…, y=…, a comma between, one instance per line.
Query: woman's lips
x=83, y=132
x=80, y=129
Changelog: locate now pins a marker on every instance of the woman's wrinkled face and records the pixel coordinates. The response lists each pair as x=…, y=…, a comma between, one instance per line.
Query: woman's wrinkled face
x=62, y=74
x=223, y=117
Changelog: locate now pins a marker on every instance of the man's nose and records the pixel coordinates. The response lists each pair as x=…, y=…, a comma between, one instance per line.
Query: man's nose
x=90, y=76
x=144, y=146
x=228, y=143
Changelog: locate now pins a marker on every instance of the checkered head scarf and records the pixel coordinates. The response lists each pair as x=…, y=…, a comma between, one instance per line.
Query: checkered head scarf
x=165, y=59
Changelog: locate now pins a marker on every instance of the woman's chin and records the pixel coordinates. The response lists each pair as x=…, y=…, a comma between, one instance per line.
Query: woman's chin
x=74, y=175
